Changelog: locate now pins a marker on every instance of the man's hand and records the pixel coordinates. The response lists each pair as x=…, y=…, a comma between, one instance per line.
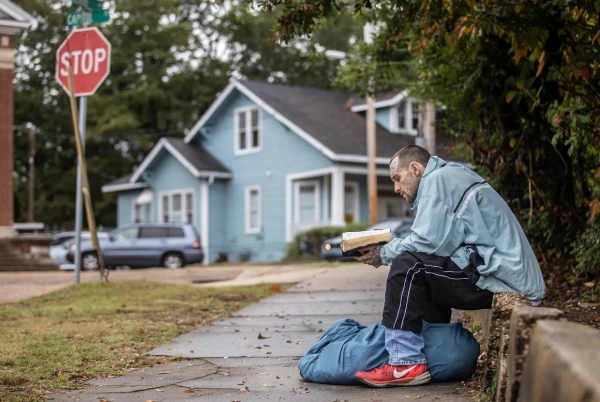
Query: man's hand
x=370, y=255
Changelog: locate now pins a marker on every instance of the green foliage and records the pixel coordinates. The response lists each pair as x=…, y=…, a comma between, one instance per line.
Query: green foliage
x=587, y=249
x=308, y=244
x=168, y=65
x=525, y=101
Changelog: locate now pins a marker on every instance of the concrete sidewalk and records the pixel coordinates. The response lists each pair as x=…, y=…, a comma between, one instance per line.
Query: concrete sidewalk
x=253, y=355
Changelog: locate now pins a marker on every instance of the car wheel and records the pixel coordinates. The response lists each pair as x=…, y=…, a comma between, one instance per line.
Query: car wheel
x=173, y=261
x=89, y=262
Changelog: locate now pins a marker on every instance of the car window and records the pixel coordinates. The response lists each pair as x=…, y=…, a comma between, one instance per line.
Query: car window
x=153, y=232
x=176, y=232
x=60, y=240
x=127, y=234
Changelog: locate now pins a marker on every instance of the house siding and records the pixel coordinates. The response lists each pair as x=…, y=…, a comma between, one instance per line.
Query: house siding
x=282, y=152
x=125, y=206
x=382, y=117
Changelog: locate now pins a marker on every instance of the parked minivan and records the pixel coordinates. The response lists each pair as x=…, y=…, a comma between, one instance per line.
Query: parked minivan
x=169, y=245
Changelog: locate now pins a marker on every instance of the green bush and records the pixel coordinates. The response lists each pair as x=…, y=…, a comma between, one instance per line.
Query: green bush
x=307, y=245
x=586, y=249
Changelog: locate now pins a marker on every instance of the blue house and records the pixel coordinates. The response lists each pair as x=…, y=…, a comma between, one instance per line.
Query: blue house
x=267, y=161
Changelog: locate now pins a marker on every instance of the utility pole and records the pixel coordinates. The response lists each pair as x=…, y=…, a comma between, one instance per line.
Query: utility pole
x=31, y=180
x=371, y=156
x=371, y=140
x=368, y=30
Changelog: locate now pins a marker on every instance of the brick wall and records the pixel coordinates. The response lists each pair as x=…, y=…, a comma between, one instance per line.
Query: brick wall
x=6, y=131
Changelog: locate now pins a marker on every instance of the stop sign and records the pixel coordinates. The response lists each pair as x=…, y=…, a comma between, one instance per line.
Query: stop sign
x=88, y=53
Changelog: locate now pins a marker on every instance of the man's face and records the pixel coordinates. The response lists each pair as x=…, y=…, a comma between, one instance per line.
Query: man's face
x=406, y=181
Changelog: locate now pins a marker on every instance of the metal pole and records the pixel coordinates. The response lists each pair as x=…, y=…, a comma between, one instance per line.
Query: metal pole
x=79, y=196
x=31, y=212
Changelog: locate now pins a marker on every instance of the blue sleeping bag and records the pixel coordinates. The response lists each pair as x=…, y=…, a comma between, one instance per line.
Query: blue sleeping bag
x=348, y=347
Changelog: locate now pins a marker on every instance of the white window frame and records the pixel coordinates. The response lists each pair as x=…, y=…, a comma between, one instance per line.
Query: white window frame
x=297, y=185
x=248, y=191
x=355, y=200
x=183, y=212
x=395, y=118
x=247, y=110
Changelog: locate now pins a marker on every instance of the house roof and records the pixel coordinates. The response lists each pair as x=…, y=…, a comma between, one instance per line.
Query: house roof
x=327, y=117
x=14, y=16
x=198, y=161
x=122, y=184
x=384, y=99
x=199, y=157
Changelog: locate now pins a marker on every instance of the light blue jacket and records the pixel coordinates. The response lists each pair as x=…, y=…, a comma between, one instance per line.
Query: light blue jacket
x=456, y=209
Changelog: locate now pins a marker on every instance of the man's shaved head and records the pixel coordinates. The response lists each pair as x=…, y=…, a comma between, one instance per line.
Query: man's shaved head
x=406, y=155
x=406, y=170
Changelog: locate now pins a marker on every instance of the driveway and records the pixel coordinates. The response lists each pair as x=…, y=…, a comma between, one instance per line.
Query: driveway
x=15, y=286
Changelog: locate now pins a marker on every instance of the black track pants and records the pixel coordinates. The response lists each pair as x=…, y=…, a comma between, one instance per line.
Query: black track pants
x=425, y=287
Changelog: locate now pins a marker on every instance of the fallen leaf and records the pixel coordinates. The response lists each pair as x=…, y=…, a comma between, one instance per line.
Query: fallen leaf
x=245, y=389
x=300, y=390
x=260, y=336
x=188, y=391
x=413, y=396
x=149, y=400
x=275, y=288
x=265, y=385
x=104, y=400
x=589, y=284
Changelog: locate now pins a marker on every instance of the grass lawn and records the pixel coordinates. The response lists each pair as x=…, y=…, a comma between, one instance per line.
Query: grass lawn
x=56, y=342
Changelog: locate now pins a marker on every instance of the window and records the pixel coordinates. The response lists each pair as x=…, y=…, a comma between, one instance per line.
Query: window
x=406, y=118
x=189, y=207
x=247, y=130
x=307, y=202
x=177, y=206
x=138, y=209
x=351, y=202
x=127, y=234
x=402, y=115
x=165, y=208
x=176, y=232
x=152, y=232
x=252, y=208
x=416, y=116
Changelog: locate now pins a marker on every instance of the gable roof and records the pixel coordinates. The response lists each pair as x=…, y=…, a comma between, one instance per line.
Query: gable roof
x=319, y=116
x=12, y=15
x=384, y=99
x=122, y=184
x=197, y=160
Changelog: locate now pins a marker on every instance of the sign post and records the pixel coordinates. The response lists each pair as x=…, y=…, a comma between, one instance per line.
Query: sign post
x=82, y=64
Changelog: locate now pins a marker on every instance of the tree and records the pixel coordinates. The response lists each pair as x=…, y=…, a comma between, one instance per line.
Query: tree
x=162, y=78
x=524, y=100
x=301, y=61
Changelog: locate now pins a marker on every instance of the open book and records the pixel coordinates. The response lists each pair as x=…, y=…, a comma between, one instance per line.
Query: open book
x=352, y=241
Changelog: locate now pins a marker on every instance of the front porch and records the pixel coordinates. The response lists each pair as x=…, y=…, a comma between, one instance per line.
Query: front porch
x=337, y=196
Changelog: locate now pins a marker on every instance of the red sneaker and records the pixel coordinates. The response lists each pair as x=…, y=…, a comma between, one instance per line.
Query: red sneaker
x=388, y=376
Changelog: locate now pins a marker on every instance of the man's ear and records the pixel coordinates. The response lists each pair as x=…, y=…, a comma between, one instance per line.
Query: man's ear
x=414, y=168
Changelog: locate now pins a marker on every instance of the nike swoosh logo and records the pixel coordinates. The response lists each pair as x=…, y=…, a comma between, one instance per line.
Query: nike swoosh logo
x=403, y=372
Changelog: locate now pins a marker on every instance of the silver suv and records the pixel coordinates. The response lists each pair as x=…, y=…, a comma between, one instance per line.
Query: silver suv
x=169, y=245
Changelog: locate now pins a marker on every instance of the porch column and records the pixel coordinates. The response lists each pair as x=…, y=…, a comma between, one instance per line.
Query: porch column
x=204, y=185
x=337, y=198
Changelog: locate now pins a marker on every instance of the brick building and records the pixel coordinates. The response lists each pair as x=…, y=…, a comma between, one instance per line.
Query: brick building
x=13, y=19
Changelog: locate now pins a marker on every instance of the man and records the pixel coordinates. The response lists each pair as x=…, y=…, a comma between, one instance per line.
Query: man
x=465, y=244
